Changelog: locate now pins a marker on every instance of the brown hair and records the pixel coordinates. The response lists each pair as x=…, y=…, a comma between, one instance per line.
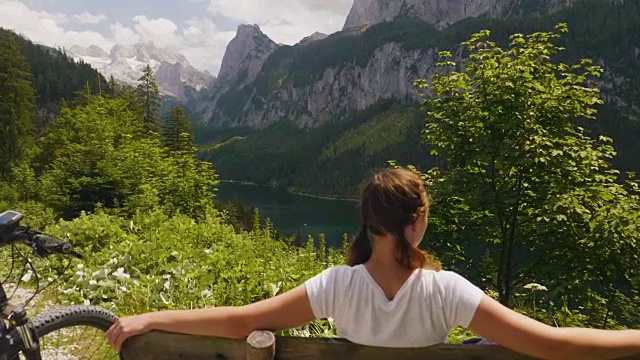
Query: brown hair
x=391, y=200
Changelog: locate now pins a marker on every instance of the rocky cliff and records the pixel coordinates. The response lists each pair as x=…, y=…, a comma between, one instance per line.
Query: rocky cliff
x=332, y=76
x=242, y=62
x=246, y=53
x=442, y=13
x=350, y=87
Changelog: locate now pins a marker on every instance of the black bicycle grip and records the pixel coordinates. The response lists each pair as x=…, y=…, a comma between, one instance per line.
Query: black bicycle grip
x=54, y=245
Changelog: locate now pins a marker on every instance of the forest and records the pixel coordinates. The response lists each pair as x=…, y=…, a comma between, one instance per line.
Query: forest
x=526, y=203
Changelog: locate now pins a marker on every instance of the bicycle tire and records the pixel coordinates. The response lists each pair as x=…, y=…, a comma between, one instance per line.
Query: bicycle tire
x=88, y=315
x=78, y=315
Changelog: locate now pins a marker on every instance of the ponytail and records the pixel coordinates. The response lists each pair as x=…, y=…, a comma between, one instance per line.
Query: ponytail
x=360, y=250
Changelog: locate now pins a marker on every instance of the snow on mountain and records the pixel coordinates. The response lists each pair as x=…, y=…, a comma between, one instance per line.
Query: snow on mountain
x=126, y=62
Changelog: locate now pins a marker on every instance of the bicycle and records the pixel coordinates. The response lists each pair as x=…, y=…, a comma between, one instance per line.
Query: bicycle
x=19, y=334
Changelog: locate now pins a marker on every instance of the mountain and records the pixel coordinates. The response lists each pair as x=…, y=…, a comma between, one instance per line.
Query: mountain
x=442, y=13
x=304, y=115
x=241, y=64
x=173, y=71
x=313, y=37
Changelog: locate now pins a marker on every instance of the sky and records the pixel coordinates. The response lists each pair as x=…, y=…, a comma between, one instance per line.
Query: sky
x=199, y=29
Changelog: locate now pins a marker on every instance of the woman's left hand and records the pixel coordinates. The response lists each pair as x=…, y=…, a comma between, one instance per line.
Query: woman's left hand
x=127, y=327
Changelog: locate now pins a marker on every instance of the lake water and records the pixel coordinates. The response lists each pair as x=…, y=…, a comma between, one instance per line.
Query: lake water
x=293, y=213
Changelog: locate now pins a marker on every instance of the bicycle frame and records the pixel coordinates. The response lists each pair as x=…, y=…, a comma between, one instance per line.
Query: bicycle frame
x=16, y=332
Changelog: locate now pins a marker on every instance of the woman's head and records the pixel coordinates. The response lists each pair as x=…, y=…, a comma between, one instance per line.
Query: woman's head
x=393, y=202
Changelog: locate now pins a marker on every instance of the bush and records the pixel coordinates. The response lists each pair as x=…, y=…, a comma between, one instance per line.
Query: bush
x=154, y=261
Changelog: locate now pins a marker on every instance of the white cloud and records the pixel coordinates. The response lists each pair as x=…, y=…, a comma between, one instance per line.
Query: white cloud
x=88, y=18
x=45, y=28
x=200, y=40
x=286, y=21
x=205, y=44
x=161, y=31
x=124, y=35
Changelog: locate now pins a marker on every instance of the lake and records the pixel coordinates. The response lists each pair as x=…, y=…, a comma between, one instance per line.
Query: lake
x=294, y=213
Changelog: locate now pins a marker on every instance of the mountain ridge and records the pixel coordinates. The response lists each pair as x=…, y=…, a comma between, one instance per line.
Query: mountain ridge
x=443, y=13
x=327, y=81
x=126, y=62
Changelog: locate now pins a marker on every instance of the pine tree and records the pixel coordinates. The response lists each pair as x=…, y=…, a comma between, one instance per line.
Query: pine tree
x=149, y=100
x=16, y=105
x=177, y=133
x=82, y=97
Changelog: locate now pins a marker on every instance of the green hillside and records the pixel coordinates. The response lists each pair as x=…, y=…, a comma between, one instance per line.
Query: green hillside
x=56, y=75
x=327, y=160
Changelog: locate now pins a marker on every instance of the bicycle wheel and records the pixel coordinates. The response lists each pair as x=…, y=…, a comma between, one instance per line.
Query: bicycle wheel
x=75, y=333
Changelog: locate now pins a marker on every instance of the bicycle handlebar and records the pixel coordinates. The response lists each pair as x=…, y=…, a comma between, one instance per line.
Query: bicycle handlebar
x=43, y=245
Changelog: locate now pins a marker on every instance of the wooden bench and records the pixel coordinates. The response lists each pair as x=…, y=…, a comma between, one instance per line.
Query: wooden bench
x=263, y=345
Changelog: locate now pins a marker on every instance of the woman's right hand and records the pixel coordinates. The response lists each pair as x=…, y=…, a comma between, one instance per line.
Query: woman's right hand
x=517, y=332
x=127, y=327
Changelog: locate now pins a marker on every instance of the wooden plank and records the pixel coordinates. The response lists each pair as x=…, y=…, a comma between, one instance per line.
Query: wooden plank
x=164, y=346
x=157, y=345
x=314, y=349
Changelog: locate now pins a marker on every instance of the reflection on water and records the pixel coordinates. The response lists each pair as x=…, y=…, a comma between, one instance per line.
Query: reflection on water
x=293, y=213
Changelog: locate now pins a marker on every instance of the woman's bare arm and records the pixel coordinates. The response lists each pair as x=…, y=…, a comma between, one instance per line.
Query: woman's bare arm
x=288, y=310
x=517, y=332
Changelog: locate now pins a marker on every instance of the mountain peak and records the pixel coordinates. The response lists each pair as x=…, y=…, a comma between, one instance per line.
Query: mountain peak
x=126, y=63
x=249, y=47
x=248, y=30
x=313, y=37
x=91, y=51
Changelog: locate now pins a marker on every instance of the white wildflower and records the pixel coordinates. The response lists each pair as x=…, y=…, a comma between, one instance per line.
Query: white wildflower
x=207, y=293
x=27, y=277
x=121, y=274
x=535, y=287
x=101, y=274
x=208, y=251
x=113, y=261
x=80, y=266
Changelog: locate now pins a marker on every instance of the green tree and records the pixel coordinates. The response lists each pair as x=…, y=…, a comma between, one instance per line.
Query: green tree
x=149, y=100
x=177, y=134
x=525, y=195
x=16, y=105
x=114, y=87
x=97, y=157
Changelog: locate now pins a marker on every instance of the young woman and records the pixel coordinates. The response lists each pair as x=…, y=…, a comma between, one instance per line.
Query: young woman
x=391, y=294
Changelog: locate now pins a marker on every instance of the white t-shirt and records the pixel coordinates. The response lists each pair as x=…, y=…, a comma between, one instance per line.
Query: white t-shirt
x=427, y=306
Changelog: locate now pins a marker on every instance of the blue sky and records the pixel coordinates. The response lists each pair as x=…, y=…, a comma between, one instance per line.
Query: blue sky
x=199, y=29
